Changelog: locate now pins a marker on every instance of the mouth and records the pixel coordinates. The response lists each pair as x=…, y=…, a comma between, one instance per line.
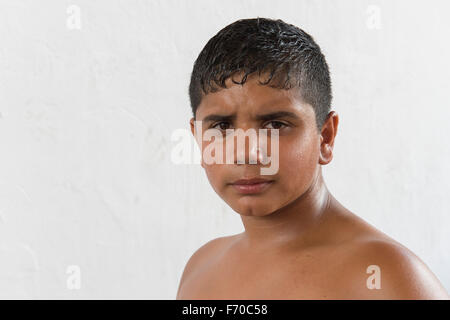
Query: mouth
x=251, y=186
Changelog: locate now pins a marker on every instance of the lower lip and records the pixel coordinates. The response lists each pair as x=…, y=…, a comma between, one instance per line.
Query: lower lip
x=252, y=188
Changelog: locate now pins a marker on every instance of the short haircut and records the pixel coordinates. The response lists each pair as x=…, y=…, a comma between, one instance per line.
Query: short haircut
x=283, y=51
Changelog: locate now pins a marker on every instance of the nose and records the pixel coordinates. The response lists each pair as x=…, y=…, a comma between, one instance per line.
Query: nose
x=253, y=152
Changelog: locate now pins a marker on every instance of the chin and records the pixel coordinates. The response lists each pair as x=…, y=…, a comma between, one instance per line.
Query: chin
x=252, y=208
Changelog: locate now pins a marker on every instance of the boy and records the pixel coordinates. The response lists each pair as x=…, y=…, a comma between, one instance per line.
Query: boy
x=299, y=241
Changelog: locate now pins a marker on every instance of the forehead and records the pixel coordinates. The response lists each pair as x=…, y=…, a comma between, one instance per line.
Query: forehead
x=250, y=99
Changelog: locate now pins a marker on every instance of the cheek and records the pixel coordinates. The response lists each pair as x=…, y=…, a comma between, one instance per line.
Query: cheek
x=298, y=162
x=215, y=174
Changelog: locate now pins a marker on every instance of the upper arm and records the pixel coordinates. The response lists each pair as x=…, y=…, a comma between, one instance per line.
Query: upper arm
x=386, y=270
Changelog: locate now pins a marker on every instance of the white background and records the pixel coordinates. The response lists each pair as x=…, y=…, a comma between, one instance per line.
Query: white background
x=86, y=118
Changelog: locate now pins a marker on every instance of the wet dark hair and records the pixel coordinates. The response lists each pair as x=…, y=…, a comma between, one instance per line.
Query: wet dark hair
x=283, y=51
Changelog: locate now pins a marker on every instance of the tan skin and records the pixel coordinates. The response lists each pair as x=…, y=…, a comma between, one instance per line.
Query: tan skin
x=299, y=241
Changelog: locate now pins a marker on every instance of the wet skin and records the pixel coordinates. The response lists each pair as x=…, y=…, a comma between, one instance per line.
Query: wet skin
x=299, y=241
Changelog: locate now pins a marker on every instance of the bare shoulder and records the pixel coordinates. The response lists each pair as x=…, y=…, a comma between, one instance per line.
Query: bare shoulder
x=371, y=265
x=381, y=268
x=202, y=256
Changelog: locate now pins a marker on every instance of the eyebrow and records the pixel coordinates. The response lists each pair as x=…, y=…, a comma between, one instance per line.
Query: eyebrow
x=264, y=117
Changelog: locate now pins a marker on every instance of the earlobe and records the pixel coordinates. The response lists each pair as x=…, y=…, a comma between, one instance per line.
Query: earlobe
x=326, y=154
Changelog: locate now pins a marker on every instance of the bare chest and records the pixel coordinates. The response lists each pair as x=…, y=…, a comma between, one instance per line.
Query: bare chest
x=271, y=277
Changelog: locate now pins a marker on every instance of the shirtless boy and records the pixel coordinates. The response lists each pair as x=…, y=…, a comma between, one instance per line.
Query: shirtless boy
x=299, y=241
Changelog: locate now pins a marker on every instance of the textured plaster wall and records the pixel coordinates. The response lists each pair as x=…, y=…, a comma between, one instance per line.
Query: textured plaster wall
x=91, y=205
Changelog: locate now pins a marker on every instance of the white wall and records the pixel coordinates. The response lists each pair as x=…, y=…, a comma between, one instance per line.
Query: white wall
x=86, y=118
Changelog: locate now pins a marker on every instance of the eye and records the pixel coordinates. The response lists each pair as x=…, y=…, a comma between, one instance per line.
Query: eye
x=221, y=125
x=277, y=124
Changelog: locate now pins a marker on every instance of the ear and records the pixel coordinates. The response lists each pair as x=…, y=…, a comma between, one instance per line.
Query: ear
x=192, y=124
x=327, y=136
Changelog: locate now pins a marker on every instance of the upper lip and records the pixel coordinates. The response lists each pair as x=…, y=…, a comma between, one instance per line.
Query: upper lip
x=251, y=181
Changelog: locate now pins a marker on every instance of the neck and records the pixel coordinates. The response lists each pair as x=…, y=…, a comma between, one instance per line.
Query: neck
x=292, y=222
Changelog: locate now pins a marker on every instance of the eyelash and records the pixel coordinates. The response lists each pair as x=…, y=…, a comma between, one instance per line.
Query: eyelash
x=273, y=121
